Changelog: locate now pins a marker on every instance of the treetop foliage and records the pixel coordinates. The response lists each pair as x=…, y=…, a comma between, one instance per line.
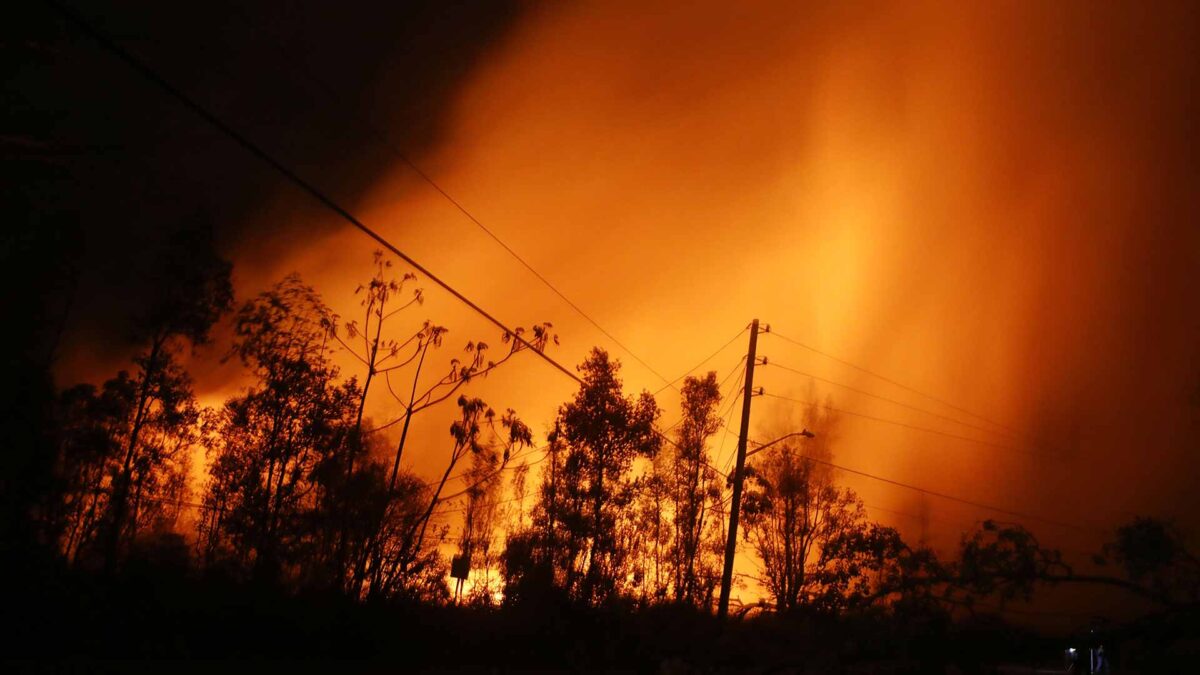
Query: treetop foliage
x=304, y=493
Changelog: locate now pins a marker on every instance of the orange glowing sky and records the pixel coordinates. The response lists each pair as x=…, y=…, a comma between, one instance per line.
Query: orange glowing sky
x=992, y=202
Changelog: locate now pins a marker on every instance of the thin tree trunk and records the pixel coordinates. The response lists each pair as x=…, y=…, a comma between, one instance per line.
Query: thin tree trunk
x=597, y=502
x=344, y=533
x=121, y=489
x=433, y=502
x=408, y=413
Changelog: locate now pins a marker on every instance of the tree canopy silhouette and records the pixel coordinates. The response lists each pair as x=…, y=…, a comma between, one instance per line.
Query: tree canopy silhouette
x=597, y=437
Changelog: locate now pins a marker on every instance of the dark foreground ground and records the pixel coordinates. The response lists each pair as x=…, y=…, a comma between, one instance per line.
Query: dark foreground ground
x=150, y=620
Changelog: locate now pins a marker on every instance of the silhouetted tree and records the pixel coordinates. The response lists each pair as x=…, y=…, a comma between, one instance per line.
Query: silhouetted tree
x=1006, y=560
x=519, y=486
x=693, y=487
x=411, y=553
x=395, y=565
x=794, y=517
x=536, y=559
x=862, y=563
x=94, y=434
x=90, y=425
x=190, y=291
x=1152, y=554
x=893, y=573
x=589, y=486
x=274, y=437
x=481, y=516
x=380, y=293
x=647, y=534
x=108, y=480
x=382, y=355
x=816, y=547
x=1003, y=560
x=357, y=510
x=459, y=374
x=376, y=349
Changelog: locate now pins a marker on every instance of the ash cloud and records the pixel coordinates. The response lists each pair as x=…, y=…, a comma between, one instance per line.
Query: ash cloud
x=993, y=203
x=98, y=162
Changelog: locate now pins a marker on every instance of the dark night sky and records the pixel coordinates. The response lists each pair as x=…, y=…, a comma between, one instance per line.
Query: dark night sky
x=90, y=138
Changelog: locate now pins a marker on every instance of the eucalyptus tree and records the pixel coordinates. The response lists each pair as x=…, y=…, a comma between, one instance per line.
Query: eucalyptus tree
x=1147, y=557
x=604, y=432
x=694, y=487
x=188, y=290
x=477, y=434
x=648, y=534
x=539, y=559
x=793, y=513
x=263, y=493
x=482, y=514
x=93, y=440
x=383, y=297
x=477, y=364
x=90, y=425
x=403, y=363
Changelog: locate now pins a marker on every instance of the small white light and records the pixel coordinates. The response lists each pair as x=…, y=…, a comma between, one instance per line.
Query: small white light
x=1071, y=649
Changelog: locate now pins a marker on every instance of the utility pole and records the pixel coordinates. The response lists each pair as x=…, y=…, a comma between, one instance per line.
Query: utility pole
x=735, y=504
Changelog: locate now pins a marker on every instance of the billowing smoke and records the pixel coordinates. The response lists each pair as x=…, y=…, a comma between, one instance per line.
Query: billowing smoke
x=995, y=204
x=992, y=204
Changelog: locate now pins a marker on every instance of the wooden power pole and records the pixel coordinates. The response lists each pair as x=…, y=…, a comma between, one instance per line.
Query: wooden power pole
x=738, y=471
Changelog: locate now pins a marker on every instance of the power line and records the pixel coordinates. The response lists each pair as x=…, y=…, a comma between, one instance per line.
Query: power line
x=903, y=424
x=152, y=75
x=669, y=440
x=942, y=495
x=883, y=398
x=888, y=380
x=899, y=513
x=728, y=463
x=720, y=386
x=956, y=522
x=544, y=280
x=523, y=451
x=507, y=466
x=708, y=358
x=914, y=516
x=733, y=401
x=385, y=139
x=312, y=190
x=463, y=509
x=333, y=206
x=661, y=433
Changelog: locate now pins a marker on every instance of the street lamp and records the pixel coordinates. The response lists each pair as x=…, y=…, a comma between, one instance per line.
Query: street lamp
x=763, y=446
x=735, y=504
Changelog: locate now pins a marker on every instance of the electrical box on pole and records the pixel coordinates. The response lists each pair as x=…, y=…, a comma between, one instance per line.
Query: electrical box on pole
x=738, y=474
